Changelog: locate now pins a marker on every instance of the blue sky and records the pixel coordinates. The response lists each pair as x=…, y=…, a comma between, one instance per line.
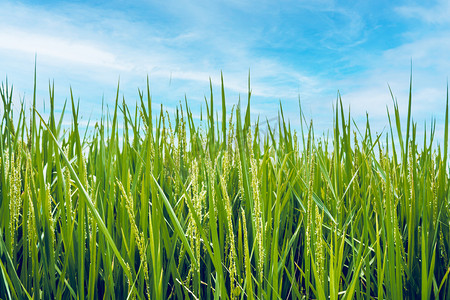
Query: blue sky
x=306, y=49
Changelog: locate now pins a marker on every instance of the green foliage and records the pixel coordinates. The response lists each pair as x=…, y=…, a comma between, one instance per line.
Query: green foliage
x=152, y=206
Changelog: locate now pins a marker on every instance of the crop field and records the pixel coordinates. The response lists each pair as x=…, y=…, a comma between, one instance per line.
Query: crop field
x=152, y=205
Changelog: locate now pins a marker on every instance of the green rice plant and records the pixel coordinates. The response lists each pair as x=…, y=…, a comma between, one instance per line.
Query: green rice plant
x=149, y=205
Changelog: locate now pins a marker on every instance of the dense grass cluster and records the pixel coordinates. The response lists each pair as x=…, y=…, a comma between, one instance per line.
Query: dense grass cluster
x=149, y=205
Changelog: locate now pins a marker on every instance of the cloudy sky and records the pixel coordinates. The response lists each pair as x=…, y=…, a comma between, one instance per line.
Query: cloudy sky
x=306, y=49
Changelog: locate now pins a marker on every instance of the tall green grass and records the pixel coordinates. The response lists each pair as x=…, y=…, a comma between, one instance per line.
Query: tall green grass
x=166, y=209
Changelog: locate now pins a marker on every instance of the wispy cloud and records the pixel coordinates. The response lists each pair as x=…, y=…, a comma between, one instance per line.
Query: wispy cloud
x=435, y=14
x=51, y=47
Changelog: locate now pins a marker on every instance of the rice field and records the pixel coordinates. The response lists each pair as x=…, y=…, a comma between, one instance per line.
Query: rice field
x=149, y=205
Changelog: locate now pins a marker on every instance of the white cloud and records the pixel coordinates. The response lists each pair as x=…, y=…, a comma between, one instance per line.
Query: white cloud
x=53, y=47
x=437, y=14
x=430, y=51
